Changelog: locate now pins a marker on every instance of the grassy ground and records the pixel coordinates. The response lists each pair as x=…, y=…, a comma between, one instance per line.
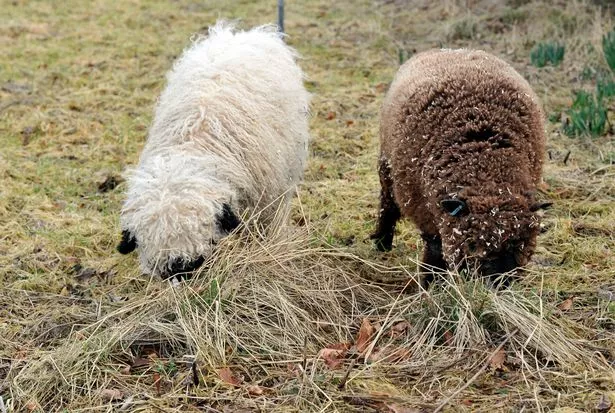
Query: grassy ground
x=310, y=319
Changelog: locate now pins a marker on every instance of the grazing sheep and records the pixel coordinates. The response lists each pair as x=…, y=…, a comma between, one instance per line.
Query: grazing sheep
x=230, y=134
x=462, y=145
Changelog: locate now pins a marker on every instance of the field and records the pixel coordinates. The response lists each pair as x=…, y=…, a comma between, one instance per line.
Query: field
x=309, y=317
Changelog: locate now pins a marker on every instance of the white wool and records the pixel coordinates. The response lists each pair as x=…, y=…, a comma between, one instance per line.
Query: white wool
x=231, y=127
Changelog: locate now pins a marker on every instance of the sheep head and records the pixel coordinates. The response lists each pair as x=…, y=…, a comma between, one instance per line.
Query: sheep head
x=495, y=233
x=175, y=213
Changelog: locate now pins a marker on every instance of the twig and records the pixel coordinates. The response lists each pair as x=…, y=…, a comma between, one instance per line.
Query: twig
x=478, y=373
x=345, y=378
x=566, y=157
x=195, y=373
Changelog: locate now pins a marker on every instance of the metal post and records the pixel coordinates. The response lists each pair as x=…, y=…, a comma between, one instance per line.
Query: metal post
x=281, y=15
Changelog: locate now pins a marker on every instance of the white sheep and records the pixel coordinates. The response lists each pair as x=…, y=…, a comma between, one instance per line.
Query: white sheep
x=230, y=134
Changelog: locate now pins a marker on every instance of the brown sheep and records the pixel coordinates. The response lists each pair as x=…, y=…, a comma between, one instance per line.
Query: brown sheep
x=462, y=144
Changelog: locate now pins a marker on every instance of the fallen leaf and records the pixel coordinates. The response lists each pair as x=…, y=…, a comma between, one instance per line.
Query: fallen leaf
x=140, y=362
x=497, y=360
x=255, y=390
x=227, y=376
x=125, y=370
x=399, y=329
x=330, y=115
x=365, y=334
x=349, y=122
x=448, y=338
x=31, y=406
x=157, y=383
x=332, y=357
x=111, y=394
x=566, y=304
x=604, y=405
x=340, y=346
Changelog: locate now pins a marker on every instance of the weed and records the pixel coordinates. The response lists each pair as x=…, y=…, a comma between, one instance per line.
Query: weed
x=464, y=29
x=547, y=53
x=605, y=89
x=587, y=116
x=608, y=48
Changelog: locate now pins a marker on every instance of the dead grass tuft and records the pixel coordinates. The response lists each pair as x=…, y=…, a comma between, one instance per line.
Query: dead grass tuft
x=256, y=323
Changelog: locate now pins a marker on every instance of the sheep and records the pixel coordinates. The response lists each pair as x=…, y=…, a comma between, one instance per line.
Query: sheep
x=462, y=145
x=229, y=135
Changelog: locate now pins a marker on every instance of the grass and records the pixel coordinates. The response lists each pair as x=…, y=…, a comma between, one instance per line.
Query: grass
x=608, y=47
x=309, y=318
x=588, y=115
x=549, y=53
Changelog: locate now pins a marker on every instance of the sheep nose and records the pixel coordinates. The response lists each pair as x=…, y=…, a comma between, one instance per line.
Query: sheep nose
x=181, y=268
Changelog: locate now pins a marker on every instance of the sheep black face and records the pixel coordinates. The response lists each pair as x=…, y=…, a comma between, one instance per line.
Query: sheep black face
x=177, y=250
x=494, y=235
x=226, y=222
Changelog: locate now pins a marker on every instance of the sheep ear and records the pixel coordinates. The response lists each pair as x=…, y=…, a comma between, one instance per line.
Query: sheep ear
x=127, y=244
x=226, y=220
x=540, y=205
x=454, y=207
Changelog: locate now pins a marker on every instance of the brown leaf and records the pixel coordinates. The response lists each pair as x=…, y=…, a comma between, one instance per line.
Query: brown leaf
x=330, y=115
x=566, y=305
x=448, y=338
x=227, y=376
x=396, y=408
x=140, y=362
x=604, y=405
x=340, y=346
x=157, y=383
x=31, y=406
x=497, y=360
x=111, y=394
x=332, y=357
x=255, y=390
x=365, y=334
x=399, y=329
x=349, y=122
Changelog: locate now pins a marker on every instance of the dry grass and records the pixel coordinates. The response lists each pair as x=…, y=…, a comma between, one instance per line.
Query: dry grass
x=308, y=317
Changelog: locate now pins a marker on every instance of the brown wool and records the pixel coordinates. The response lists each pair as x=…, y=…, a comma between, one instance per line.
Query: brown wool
x=463, y=125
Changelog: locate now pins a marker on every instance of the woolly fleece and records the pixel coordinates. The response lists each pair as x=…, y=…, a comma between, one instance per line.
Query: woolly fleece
x=462, y=125
x=231, y=127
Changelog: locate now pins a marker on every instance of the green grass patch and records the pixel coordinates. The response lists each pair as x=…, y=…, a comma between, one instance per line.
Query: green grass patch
x=608, y=48
x=587, y=116
x=549, y=53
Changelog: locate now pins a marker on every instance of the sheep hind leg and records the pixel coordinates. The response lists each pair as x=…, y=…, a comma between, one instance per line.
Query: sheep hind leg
x=433, y=260
x=389, y=212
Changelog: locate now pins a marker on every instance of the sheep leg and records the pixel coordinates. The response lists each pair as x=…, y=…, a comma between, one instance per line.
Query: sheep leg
x=389, y=211
x=433, y=260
